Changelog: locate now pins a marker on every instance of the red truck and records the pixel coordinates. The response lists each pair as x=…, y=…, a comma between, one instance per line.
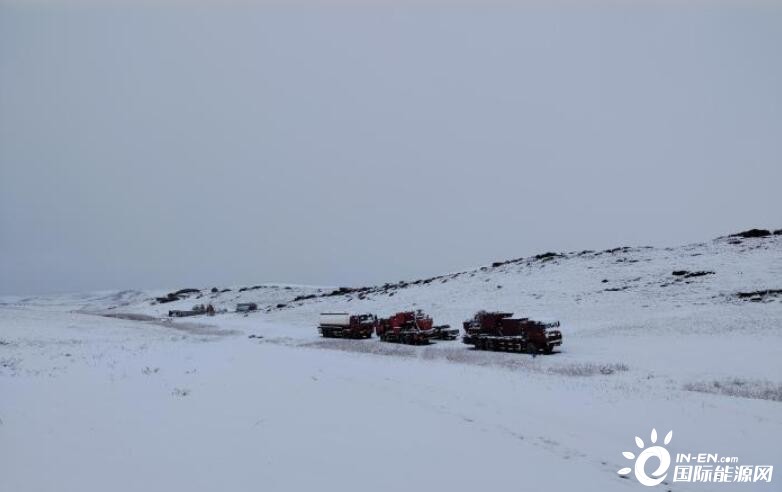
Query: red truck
x=501, y=332
x=344, y=325
x=410, y=327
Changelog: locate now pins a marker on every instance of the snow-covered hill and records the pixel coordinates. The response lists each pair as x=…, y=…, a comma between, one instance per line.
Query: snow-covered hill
x=577, y=287
x=685, y=338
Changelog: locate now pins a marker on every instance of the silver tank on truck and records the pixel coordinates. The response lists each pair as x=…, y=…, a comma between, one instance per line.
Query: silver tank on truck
x=346, y=325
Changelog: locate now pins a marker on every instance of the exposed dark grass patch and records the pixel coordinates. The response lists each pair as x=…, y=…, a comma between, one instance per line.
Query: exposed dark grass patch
x=741, y=388
x=10, y=365
x=463, y=355
x=759, y=295
x=181, y=392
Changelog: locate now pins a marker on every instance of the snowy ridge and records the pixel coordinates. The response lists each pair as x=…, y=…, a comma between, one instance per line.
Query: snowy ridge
x=587, y=290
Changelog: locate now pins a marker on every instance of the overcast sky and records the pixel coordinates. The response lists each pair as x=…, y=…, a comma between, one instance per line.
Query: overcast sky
x=334, y=143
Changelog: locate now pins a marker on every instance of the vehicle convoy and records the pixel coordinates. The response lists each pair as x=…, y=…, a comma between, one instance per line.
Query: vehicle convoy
x=410, y=327
x=501, y=332
x=344, y=325
x=198, y=309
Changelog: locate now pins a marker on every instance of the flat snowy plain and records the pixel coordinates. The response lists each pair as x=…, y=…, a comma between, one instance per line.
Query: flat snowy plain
x=92, y=403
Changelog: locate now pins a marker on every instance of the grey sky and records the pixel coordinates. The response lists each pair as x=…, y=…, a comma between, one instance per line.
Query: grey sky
x=345, y=144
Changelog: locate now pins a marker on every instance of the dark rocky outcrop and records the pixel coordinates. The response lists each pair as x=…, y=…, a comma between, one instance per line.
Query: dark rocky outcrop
x=752, y=233
x=547, y=256
x=176, y=296
x=759, y=295
x=181, y=292
x=686, y=274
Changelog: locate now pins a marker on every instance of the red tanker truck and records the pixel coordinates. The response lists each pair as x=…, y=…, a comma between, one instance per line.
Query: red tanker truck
x=501, y=332
x=410, y=327
x=344, y=325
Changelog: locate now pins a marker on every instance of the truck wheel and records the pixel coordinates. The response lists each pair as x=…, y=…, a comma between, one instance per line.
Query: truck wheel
x=532, y=349
x=549, y=349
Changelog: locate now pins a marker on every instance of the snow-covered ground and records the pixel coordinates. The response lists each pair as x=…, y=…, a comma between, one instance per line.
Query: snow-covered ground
x=135, y=402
